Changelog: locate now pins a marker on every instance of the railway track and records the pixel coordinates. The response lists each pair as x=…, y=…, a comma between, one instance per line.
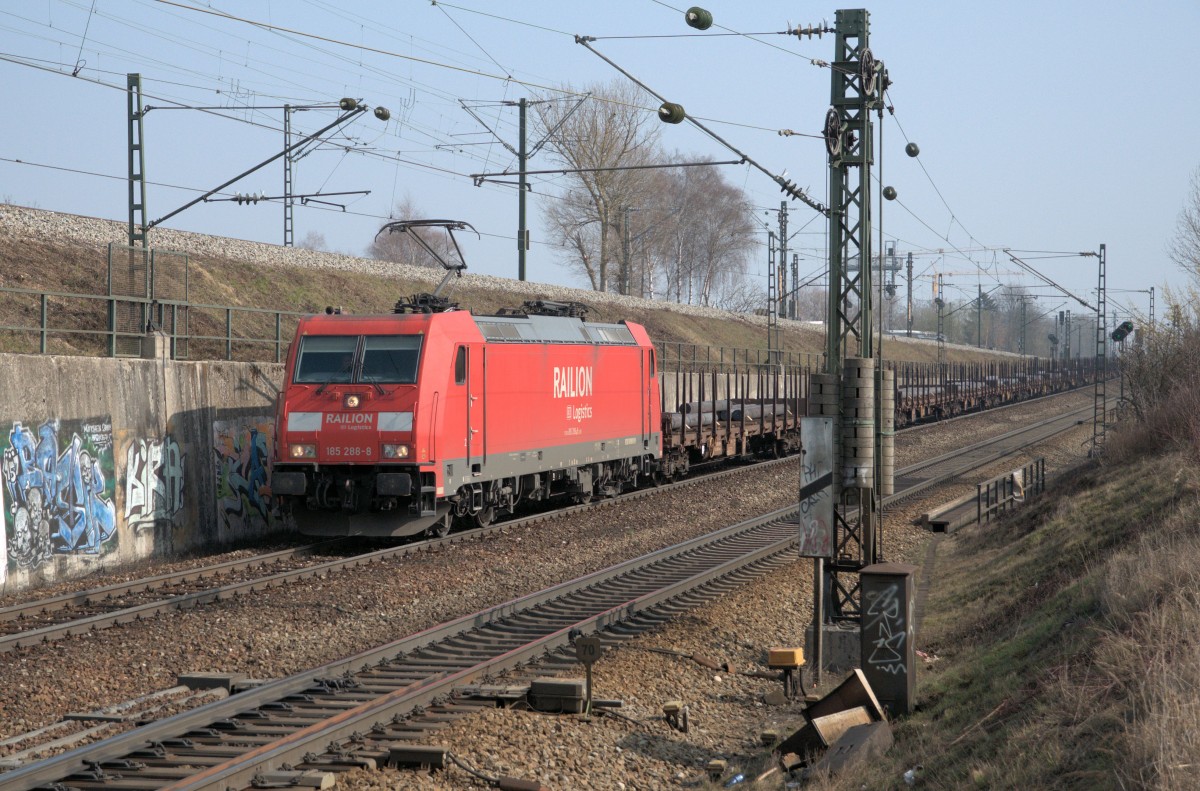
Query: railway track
x=349, y=713
x=916, y=478
x=76, y=613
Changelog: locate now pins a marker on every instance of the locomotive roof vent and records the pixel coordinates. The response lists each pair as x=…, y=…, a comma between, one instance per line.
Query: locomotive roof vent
x=545, y=307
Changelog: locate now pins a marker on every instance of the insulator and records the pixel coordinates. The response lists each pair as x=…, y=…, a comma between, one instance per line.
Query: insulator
x=698, y=18
x=912, y=149
x=348, y=104
x=671, y=113
x=383, y=113
x=889, y=193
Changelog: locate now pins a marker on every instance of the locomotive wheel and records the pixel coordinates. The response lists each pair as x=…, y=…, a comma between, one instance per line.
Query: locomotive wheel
x=440, y=528
x=583, y=498
x=483, y=517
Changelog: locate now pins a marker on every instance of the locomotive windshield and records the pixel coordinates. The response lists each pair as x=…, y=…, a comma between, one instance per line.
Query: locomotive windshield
x=340, y=359
x=390, y=359
x=326, y=359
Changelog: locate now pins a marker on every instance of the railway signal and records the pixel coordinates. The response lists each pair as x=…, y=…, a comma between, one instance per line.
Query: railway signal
x=1122, y=331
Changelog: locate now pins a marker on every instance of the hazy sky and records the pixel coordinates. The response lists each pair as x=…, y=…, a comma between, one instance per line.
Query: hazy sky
x=1043, y=126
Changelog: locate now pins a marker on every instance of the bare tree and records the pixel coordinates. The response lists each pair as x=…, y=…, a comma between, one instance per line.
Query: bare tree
x=314, y=240
x=707, y=233
x=1185, y=247
x=740, y=296
x=609, y=130
x=402, y=248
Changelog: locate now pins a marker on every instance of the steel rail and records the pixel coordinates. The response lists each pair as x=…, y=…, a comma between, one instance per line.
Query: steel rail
x=982, y=453
x=97, y=595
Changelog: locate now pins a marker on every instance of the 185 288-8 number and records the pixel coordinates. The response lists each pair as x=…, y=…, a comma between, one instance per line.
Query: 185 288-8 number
x=351, y=452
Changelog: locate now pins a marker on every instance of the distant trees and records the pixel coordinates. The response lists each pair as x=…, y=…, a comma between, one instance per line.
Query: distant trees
x=314, y=240
x=1185, y=247
x=607, y=131
x=684, y=232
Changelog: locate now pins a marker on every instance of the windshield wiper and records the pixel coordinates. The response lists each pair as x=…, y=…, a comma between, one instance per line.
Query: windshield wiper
x=347, y=367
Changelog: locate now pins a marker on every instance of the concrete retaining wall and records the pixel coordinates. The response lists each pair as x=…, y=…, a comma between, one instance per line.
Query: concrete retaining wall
x=107, y=462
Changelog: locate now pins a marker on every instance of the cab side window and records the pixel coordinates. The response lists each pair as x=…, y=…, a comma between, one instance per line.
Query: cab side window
x=460, y=366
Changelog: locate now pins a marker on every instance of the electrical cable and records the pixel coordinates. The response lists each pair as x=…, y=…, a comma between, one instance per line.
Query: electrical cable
x=123, y=89
x=79, y=62
x=362, y=47
x=688, y=35
x=932, y=183
x=504, y=19
x=472, y=38
x=426, y=61
x=787, y=187
x=471, y=771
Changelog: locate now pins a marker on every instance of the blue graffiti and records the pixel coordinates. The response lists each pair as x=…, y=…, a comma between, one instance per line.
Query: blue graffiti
x=57, y=500
x=243, y=477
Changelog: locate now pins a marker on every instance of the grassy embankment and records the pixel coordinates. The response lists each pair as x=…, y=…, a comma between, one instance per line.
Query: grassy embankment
x=70, y=267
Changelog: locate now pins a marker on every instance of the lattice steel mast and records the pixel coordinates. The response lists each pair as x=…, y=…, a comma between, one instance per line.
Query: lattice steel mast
x=1099, y=411
x=858, y=82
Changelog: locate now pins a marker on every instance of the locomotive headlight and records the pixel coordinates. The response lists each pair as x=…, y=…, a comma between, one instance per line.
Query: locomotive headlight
x=352, y=401
x=299, y=451
x=395, y=451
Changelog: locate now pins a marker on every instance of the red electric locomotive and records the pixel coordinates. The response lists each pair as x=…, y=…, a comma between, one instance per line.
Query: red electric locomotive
x=396, y=424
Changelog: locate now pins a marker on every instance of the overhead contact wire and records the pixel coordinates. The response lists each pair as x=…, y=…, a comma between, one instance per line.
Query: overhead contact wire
x=797, y=192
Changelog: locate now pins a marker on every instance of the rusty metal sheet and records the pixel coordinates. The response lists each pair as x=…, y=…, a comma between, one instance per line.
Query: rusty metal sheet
x=816, y=488
x=831, y=727
x=852, y=692
x=858, y=745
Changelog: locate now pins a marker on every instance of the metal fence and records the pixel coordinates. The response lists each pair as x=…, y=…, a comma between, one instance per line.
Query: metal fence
x=56, y=322
x=60, y=322
x=994, y=497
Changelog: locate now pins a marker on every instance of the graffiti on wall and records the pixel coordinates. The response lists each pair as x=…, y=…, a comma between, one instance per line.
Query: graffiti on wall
x=886, y=630
x=242, y=454
x=58, y=490
x=3, y=542
x=153, y=483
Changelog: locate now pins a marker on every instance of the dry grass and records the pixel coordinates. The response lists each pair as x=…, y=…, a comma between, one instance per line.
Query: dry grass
x=1067, y=645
